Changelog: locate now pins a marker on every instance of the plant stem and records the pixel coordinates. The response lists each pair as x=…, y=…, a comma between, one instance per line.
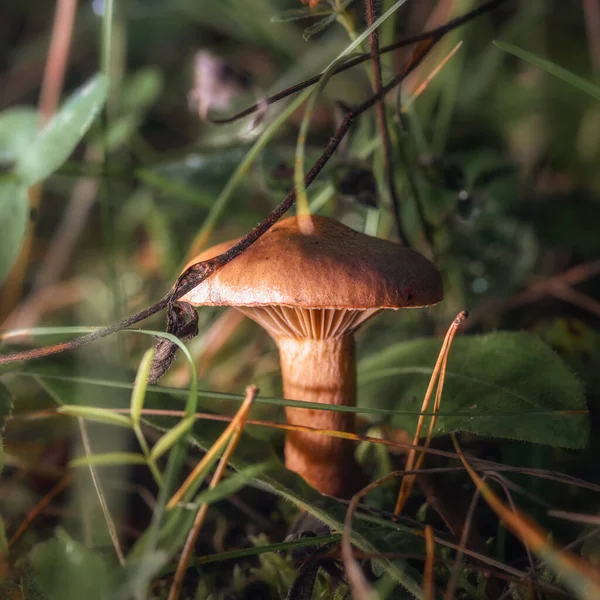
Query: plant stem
x=383, y=124
x=107, y=221
x=323, y=371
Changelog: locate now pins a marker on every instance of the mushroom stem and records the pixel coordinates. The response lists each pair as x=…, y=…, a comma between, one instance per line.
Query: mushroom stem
x=323, y=371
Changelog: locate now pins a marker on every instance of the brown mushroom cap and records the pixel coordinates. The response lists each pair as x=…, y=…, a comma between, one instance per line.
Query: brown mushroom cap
x=334, y=267
x=311, y=291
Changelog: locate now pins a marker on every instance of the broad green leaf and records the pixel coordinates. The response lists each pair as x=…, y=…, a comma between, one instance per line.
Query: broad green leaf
x=63, y=569
x=14, y=212
x=100, y=415
x=553, y=69
x=508, y=385
x=110, y=459
x=18, y=128
x=57, y=140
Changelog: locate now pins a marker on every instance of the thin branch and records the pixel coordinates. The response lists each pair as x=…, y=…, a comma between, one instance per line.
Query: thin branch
x=371, y=13
x=294, y=89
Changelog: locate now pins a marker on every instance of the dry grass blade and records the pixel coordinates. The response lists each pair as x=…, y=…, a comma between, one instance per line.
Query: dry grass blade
x=423, y=86
x=175, y=591
x=428, y=577
x=439, y=371
x=579, y=575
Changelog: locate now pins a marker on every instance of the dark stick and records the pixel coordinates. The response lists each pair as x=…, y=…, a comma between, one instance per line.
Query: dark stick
x=197, y=273
x=294, y=89
x=382, y=122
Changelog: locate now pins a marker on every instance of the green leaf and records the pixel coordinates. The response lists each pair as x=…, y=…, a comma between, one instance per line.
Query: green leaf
x=138, y=93
x=55, y=143
x=234, y=483
x=508, y=385
x=141, y=89
x=100, y=415
x=18, y=128
x=319, y=26
x=14, y=213
x=110, y=459
x=140, y=386
x=167, y=440
x=120, y=131
x=63, y=569
x=553, y=69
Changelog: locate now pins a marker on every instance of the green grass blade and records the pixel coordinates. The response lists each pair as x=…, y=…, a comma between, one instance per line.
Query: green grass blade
x=140, y=386
x=552, y=68
x=99, y=415
x=109, y=459
x=167, y=440
x=277, y=547
x=14, y=214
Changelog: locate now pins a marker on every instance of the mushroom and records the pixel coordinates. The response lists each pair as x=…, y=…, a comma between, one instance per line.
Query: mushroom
x=311, y=292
